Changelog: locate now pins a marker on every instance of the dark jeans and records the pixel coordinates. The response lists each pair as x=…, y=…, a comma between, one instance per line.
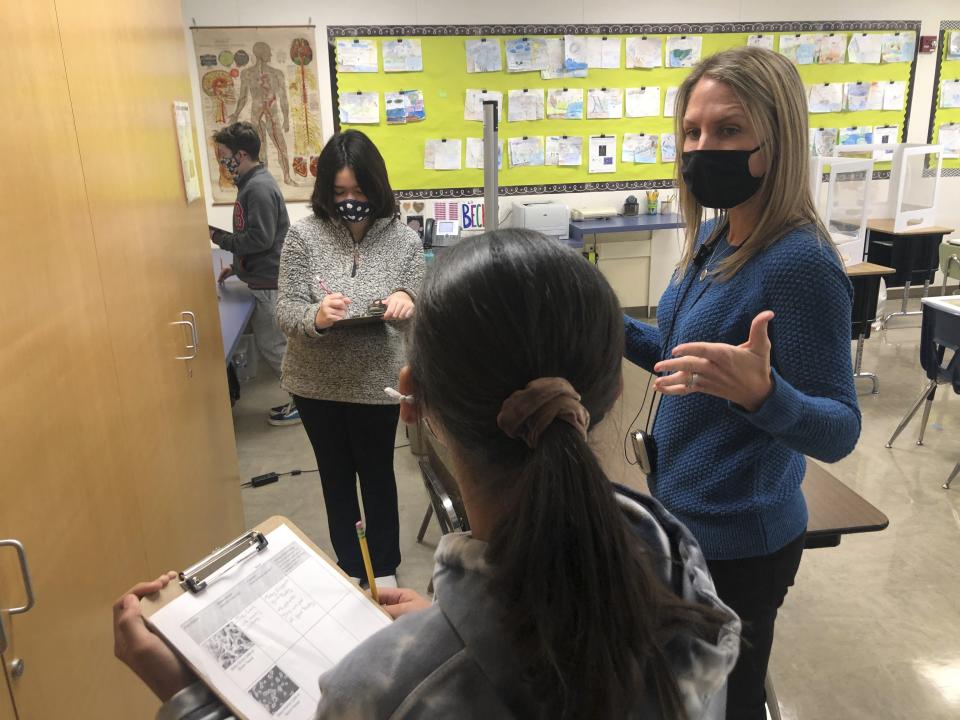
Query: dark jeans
x=353, y=440
x=755, y=588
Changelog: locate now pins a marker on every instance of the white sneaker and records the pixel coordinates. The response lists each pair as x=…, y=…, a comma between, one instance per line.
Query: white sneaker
x=389, y=581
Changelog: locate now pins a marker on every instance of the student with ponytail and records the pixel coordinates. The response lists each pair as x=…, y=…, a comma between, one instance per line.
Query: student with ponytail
x=571, y=597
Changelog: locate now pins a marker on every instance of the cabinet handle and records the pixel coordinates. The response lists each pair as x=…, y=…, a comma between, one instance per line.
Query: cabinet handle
x=189, y=347
x=25, y=572
x=192, y=319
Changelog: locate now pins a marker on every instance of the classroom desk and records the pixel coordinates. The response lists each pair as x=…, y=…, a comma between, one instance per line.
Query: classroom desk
x=913, y=252
x=235, y=302
x=834, y=509
x=622, y=224
x=865, y=278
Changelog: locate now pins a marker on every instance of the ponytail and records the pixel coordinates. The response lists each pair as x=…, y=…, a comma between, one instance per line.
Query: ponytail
x=588, y=614
x=517, y=350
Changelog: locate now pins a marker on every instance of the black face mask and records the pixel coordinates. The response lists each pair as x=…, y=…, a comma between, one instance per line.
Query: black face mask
x=720, y=179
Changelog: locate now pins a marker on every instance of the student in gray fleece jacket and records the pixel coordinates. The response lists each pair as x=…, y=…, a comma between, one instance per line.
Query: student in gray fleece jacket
x=351, y=251
x=571, y=597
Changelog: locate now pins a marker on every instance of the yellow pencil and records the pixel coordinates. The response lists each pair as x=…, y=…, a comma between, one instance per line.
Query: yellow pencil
x=367, y=564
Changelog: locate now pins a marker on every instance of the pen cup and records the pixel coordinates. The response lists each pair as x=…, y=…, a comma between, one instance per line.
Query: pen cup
x=652, y=196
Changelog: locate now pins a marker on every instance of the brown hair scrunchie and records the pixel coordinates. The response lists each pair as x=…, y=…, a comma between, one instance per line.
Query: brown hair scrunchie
x=528, y=412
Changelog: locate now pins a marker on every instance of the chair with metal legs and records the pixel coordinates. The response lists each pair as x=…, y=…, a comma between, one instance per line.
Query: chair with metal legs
x=939, y=335
x=956, y=471
x=950, y=263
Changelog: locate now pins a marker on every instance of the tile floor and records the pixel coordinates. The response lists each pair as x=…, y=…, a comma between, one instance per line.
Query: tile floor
x=872, y=628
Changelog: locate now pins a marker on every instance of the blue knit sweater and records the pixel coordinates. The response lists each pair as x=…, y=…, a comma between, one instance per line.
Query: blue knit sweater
x=731, y=476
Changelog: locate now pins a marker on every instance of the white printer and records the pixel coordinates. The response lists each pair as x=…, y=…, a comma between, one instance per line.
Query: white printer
x=549, y=218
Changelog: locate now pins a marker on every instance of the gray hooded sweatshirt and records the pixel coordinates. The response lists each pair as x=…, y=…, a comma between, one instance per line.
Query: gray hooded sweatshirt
x=452, y=661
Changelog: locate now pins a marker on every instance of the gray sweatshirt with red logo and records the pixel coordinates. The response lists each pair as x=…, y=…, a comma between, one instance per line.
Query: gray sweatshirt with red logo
x=260, y=224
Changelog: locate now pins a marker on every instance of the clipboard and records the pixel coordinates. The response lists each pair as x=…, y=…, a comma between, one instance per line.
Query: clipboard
x=216, y=566
x=367, y=318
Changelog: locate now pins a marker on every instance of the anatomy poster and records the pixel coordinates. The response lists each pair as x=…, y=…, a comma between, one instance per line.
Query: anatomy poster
x=268, y=77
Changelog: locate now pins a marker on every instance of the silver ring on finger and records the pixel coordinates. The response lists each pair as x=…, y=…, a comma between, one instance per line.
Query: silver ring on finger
x=693, y=379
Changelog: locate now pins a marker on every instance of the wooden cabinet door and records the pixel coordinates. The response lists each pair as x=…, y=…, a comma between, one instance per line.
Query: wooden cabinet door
x=6, y=702
x=126, y=64
x=64, y=485
x=117, y=462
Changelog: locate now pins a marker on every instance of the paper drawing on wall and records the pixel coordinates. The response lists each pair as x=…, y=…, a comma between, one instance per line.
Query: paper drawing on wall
x=268, y=77
x=823, y=141
x=483, y=55
x=563, y=150
x=555, y=62
x=668, y=147
x=644, y=52
x=949, y=137
x=684, y=51
x=565, y=103
x=953, y=46
x=950, y=94
x=865, y=48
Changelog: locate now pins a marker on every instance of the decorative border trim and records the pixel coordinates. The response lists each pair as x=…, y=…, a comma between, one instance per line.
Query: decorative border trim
x=551, y=189
x=944, y=26
x=334, y=31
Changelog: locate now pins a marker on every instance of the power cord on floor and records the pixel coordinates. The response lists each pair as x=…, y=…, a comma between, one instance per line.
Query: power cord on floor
x=272, y=477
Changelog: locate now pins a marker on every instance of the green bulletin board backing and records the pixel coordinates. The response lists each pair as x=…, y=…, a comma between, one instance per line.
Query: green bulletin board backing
x=946, y=70
x=444, y=81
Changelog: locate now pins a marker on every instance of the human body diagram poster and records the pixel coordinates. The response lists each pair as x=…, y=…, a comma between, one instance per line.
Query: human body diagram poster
x=268, y=77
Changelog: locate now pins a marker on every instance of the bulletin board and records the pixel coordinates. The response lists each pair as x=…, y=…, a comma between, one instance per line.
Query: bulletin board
x=444, y=81
x=947, y=69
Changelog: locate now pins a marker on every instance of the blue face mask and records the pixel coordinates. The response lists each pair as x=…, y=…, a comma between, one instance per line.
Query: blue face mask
x=232, y=164
x=354, y=211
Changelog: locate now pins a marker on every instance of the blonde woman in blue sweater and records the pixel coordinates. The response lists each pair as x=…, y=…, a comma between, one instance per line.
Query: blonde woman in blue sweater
x=752, y=351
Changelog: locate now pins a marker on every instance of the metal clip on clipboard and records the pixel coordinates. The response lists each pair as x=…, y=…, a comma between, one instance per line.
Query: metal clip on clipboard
x=195, y=577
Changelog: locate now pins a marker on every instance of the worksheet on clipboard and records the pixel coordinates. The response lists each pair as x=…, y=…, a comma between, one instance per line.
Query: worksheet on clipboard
x=265, y=630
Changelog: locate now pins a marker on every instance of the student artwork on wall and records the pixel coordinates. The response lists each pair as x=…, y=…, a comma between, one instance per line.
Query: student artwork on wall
x=402, y=55
x=684, y=51
x=864, y=48
x=644, y=52
x=864, y=96
x=944, y=128
x=564, y=151
x=668, y=147
x=616, y=83
x=360, y=108
x=525, y=104
x=603, y=52
x=268, y=77
x=565, y=103
x=764, y=41
x=639, y=148
x=643, y=102
x=823, y=141
x=556, y=62
x=475, y=153
x=826, y=98
x=526, y=151
x=473, y=103
x=442, y=154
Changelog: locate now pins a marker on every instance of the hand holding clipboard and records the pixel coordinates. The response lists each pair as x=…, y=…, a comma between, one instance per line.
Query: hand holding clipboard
x=257, y=621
